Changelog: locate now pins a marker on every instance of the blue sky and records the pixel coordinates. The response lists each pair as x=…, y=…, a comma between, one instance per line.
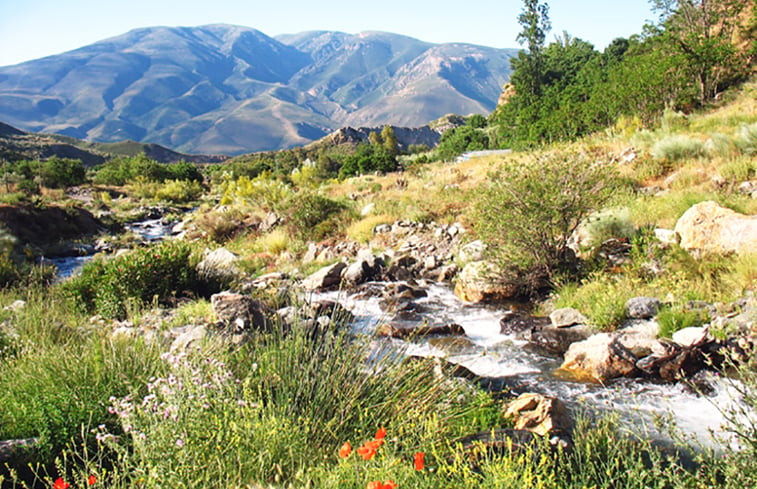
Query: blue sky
x=32, y=29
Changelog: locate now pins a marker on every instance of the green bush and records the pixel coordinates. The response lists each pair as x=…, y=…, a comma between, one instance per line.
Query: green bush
x=120, y=171
x=313, y=216
x=675, y=148
x=672, y=319
x=368, y=158
x=747, y=139
x=461, y=139
x=529, y=210
x=108, y=287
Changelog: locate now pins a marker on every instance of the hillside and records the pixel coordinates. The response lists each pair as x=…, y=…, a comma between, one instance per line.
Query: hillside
x=223, y=89
x=16, y=144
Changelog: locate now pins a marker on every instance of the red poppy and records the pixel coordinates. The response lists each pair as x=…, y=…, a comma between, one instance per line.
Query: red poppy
x=380, y=433
x=418, y=460
x=374, y=444
x=389, y=485
x=366, y=452
x=91, y=480
x=60, y=484
x=345, y=450
x=374, y=485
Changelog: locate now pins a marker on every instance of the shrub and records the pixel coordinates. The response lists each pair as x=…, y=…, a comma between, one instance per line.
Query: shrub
x=362, y=230
x=459, y=140
x=739, y=169
x=220, y=226
x=275, y=242
x=529, y=210
x=368, y=158
x=603, y=225
x=675, y=148
x=261, y=192
x=160, y=272
x=312, y=216
x=747, y=139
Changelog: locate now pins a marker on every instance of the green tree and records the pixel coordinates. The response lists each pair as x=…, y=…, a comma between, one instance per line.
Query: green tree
x=529, y=210
x=701, y=32
x=389, y=140
x=534, y=20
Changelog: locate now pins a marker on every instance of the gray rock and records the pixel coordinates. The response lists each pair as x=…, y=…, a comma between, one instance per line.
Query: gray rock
x=567, y=316
x=325, y=278
x=666, y=237
x=405, y=331
x=559, y=340
x=219, y=265
x=16, y=306
x=366, y=268
x=241, y=311
x=188, y=337
x=473, y=251
x=599, y=358
x=642, y=307
x=692, y=336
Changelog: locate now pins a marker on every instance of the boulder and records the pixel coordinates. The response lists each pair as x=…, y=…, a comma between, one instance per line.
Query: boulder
x=402, y=331
x=692, y=337
x=482, y=281
x=599, y=358
x=188, y=336
x=642, y=307
x=558, y=340
x=473, y=251
x=325, y=278
x=539, y=414
x=709, y=228
x=218, y=265
x=244, y=312
x=365, y=268
x=514, y=322
x=565, y=317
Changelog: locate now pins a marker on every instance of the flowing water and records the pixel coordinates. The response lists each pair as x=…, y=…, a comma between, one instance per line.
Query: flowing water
x=510, y=363
x=150, y=230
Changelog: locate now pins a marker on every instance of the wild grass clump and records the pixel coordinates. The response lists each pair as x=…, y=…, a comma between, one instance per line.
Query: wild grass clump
x=274, y=242
x=739, y=169
x=672, y=319
x=158, y=273
x=171, y=191
x=604, y=225
x=747, y=139
x=677, y=148
x=362, y=230
x=600, y=298
x=314, y=217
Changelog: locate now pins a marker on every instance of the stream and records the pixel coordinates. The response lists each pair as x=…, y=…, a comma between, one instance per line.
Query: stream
x=510, y=363
x=149, y=230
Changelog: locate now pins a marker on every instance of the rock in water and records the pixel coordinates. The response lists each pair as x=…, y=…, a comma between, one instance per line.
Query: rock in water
x=481, y=281
x=709, y=228
x=599, y=358
x=325, y=278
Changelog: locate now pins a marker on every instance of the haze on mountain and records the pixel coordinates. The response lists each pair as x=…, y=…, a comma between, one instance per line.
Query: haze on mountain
x=231, y=89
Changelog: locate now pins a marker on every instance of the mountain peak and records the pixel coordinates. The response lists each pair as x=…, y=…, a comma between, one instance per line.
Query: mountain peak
x=231, y=89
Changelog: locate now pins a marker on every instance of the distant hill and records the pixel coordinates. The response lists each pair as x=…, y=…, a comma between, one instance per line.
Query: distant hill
x=223, y=89
x=16, y=144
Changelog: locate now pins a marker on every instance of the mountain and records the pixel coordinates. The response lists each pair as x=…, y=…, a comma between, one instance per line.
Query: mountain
x=230, y=89
x=16, y=144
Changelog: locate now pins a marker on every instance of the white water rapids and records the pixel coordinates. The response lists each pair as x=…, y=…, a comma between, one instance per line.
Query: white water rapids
x=490, y=354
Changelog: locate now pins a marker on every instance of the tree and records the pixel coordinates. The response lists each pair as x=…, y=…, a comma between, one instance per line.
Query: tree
x=534, y=19
x=701, y=31
x=389, y=140
x=530, y=209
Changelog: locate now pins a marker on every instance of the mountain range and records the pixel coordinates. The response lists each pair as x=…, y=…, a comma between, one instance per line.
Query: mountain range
x=222, y=89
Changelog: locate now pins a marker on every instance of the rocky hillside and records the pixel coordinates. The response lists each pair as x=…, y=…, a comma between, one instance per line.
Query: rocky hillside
x=229, y=89
x=16, y=144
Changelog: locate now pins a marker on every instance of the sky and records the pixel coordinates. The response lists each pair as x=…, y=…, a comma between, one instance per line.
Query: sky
x=31, y=29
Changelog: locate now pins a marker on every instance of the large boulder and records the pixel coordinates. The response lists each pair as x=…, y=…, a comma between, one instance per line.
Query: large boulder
x=366, y=267
x=415, y=330
x=709, y=228
x=482, y=281
x=326, y=278
x=241, y=311
x=539, y=414
x=599, y=358
x=218, y=265
x=566, y=317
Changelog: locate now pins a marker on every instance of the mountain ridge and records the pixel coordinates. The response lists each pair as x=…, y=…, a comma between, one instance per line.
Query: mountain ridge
x=222, y=89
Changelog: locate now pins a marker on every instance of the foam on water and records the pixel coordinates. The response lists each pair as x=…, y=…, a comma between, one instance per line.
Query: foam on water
x=643, y=406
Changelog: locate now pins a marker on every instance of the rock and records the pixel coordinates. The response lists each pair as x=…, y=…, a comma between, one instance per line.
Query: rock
x=558, y=340
x=12, y=450
x=244, y=312
x=666, y=237
x=364, y=269
x=16, y=306
x=218, y=265
x=539, y=414
x=403, y=267
x=382, y=228
x=446, y=273
x=640, y=337
x=514, y=322
x=709, y=228
x=473, y=251
x=565, y=317
x=325, y=278
x=271, y=221
x=188, y=336
x=599, y=358
x=692, y=336
x=482, y=281
x=401, y=331
x=642, y=307
x=368, y=209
